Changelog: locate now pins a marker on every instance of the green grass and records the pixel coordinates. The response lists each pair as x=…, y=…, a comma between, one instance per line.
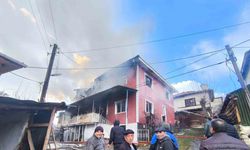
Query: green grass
x=184, y=143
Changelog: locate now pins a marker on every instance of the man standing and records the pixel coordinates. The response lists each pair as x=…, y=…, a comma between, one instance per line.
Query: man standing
x=163, y=141
x=220, y=139
x=96, y=142
x=169, y=134
x=128, y=141
x=116, y=135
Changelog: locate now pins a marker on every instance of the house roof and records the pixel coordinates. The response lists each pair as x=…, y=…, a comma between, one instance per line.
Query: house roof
x=138, y=60
x=8, y=64
x=12, y=103
x=188, y=93
x=245, y=64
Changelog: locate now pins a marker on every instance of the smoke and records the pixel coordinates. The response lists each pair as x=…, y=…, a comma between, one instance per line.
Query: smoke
x=79, y=25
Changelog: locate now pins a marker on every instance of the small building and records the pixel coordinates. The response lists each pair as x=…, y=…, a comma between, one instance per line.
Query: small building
x=26, y=124
x=132, y=92
x=192, y=107
x=236, y=108
x=245, y=69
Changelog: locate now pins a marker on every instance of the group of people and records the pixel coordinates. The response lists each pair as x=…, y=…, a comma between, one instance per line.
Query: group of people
x=121, y=140
x=163, y=139
x=221, y=135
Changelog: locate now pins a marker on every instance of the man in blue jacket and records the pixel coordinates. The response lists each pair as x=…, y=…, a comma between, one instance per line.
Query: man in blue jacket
x=169, y=134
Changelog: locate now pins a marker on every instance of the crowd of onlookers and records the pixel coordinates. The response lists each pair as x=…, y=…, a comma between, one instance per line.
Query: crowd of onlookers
x=221, y=135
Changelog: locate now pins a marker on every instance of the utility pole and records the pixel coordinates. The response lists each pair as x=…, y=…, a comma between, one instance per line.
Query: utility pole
x=237, y=71
x=46, y=81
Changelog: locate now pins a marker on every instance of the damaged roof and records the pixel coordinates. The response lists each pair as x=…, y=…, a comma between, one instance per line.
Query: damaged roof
x=12, y=103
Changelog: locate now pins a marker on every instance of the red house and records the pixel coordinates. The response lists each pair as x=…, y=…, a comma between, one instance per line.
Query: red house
x=132, y=92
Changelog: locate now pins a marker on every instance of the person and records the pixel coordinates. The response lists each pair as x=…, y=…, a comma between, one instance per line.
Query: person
x=163, y=141
x=96, y=142
x=220, y=139
x=169, y=134
x=207, y=127
x=116, y=135
x=230, y=129
x=128, y=141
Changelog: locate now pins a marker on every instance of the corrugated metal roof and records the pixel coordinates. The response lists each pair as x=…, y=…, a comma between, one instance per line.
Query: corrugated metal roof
x=242, y=105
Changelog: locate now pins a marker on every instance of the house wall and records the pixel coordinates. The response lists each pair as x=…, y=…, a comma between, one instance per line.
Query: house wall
x=157, y=96
x=179, y=103
x=111, y=116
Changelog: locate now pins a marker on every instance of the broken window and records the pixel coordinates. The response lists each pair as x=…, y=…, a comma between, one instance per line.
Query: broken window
x=120, y=106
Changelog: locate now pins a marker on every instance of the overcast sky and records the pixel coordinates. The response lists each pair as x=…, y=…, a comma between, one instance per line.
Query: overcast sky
x=29, y=27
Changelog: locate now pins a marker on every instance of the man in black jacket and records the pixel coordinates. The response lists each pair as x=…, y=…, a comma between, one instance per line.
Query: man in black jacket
x=116, y=135
x=220, y=139
x=128, y=141
x=163, y=141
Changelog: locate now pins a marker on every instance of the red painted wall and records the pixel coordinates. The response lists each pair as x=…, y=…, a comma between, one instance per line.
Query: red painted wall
x=156, y=95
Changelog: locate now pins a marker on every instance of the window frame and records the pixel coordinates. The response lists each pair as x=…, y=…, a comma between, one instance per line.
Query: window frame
x=121, y=102
x=191, y=103
x=145, y=79
x=152, y=106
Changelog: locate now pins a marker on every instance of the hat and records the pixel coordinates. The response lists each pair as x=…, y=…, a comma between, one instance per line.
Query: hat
x=128, y=131
x=99, y=128
x=160, y=129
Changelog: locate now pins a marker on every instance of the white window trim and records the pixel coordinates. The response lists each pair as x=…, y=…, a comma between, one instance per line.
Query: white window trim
x=116, y=106
x=145, y=74
x=165, y=110
x=146, y=106
x=169, y=95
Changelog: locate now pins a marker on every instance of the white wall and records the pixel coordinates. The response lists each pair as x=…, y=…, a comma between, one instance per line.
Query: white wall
x=89, y=130
x=134, y=127
x=179, y=103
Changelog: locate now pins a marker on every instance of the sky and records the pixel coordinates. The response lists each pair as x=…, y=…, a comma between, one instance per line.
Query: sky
x=100, y=34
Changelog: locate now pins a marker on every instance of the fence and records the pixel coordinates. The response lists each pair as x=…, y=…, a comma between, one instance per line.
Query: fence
x=143, y=135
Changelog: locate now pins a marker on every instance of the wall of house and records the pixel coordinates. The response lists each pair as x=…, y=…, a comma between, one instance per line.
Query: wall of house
x=179, y=103
x=157, y=96
x=112, y=116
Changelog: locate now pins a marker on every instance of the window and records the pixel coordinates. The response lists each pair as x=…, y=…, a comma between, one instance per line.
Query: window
x=120, y=106
x=168, y=95
x=163, y=118
x=149, y=107
x=190, y=102
x=148, y=81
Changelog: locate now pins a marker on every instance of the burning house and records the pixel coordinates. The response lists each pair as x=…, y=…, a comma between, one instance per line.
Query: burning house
x=132, y=92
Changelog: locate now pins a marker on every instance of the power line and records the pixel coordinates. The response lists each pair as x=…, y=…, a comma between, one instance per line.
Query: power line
x=166, y=61
x=179, y=68
x=46, y=33
x=25, y=78
x=195, y=70
x=163, y=39
x=40, y=32
x=188, y=57
x=51, y=15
